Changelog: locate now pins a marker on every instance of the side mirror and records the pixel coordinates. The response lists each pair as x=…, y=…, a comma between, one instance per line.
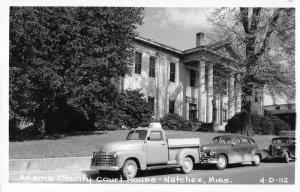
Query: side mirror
x=148, y=138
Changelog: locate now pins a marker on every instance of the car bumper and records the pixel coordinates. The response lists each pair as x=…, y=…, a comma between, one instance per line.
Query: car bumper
x=105, y=168
x=209, y=160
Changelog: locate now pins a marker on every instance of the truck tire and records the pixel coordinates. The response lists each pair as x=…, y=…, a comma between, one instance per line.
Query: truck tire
x=256, y=160
x=222, y=162
x=129, y=169
x=187, y=166
x=286, y=157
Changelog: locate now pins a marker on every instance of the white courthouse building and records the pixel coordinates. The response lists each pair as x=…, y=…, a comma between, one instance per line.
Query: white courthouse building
x=198, y=83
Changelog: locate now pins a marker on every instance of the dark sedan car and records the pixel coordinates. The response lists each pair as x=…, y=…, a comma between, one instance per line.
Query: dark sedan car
x=229, y=149
x=282, y=148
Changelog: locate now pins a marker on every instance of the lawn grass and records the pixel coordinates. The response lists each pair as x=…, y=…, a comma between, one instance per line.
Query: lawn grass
x=85, y=145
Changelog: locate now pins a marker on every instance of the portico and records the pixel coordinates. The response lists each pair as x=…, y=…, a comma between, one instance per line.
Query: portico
x=218, y=97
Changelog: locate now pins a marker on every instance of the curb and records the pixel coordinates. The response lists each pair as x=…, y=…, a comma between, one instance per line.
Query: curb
x=49, y=163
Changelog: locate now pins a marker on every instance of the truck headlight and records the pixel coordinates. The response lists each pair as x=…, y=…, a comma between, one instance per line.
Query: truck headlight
x=114, y=155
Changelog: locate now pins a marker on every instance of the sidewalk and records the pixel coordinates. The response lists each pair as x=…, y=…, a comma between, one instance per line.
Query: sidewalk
x=49, y=163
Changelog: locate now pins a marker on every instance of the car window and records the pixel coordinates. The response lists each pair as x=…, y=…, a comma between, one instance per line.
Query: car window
x=280, y=140
x=156, y=136
x=251, y=141
x=215, y=140
x=244, y=141
x=236, y=140
x=292, y=140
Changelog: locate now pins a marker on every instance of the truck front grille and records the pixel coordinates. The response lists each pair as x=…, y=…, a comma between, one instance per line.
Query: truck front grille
x=103, y=160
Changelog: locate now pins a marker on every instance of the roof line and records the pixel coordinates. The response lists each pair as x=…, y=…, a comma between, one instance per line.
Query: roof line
x=152, y=42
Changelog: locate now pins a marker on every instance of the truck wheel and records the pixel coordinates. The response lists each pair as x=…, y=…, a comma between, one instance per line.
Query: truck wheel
x=129, y=169
x=187, y=166
x=256, y=160
x=222, y=162
x=286, y=157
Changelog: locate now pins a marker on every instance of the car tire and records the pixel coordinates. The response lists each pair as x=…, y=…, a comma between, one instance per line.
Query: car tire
x=286, y=157
x=256, y=160
x=187, y=166
x=129, y=169
x=222, y=162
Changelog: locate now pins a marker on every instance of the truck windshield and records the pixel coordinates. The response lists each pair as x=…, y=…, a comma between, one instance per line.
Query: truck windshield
x=137, y=135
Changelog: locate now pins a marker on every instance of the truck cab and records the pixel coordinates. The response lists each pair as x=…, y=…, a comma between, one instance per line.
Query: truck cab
x=147, y=148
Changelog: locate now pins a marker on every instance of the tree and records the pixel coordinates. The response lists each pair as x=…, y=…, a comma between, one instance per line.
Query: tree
x=266, y=39
x=131, y=109
x=67, y=59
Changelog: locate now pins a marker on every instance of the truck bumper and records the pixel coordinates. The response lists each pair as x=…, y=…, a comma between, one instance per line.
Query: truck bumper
x=105, y=168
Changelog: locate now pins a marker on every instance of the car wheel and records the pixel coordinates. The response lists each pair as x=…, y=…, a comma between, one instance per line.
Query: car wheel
x=129, y=169
x=222, y=162
x=256, y=160
x=286, y=157
x=187, y=166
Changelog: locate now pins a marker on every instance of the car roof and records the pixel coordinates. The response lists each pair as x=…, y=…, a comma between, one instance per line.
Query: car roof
x=233, y=136
x=283, y=137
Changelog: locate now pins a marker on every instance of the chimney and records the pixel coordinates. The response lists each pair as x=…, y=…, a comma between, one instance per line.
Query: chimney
x=199, y=39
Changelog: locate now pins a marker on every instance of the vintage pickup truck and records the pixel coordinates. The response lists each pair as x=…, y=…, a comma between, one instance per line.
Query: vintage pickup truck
x=144, y=149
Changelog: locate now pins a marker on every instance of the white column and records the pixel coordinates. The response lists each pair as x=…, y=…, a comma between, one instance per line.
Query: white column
x=231, y=96
x=201, y=93
x=217, y=113
x=210, y=90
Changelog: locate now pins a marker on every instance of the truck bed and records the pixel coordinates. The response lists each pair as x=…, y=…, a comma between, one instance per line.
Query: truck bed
x=178, y=143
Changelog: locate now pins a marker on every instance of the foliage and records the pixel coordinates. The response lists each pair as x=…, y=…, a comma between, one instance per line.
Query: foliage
x=130, y=109
x=265, y=125
x=65, y=60
x=174, y=121
x=265, y=38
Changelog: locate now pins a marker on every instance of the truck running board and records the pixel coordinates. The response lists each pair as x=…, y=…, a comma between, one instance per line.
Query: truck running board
x=162, y=166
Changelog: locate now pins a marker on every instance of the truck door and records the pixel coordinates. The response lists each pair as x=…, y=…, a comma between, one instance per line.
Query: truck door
x=157, y=148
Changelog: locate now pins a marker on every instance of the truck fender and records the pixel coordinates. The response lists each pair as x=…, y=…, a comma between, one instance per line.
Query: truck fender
x=138, y=156
x=187, y=152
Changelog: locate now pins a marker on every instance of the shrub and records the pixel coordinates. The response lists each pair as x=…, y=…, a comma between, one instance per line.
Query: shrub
x=278, y=124
x=175, y=122
x=260, y=124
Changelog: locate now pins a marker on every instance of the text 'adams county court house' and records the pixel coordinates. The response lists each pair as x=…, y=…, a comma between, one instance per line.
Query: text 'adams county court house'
x=198, y=84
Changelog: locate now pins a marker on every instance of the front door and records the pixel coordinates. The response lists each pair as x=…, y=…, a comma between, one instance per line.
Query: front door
x=157, y=148
x=237, y=152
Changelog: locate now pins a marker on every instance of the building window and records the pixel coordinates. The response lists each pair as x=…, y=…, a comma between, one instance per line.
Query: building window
x=152, y=67
x=192, y=78
x=172, y=72
x=224, y=115
x=193, y=112
x=138, y=63
x=171, y=106
x=151, y=102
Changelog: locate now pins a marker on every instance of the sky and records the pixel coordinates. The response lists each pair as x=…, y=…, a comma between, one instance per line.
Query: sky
x=176, y=27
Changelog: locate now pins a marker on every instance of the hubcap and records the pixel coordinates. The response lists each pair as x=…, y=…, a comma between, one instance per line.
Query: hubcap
x=256, y=159
x=187, y=164
x=130, y=170
x=222, y=162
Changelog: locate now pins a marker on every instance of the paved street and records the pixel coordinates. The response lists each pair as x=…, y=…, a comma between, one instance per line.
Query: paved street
x=266, y=173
